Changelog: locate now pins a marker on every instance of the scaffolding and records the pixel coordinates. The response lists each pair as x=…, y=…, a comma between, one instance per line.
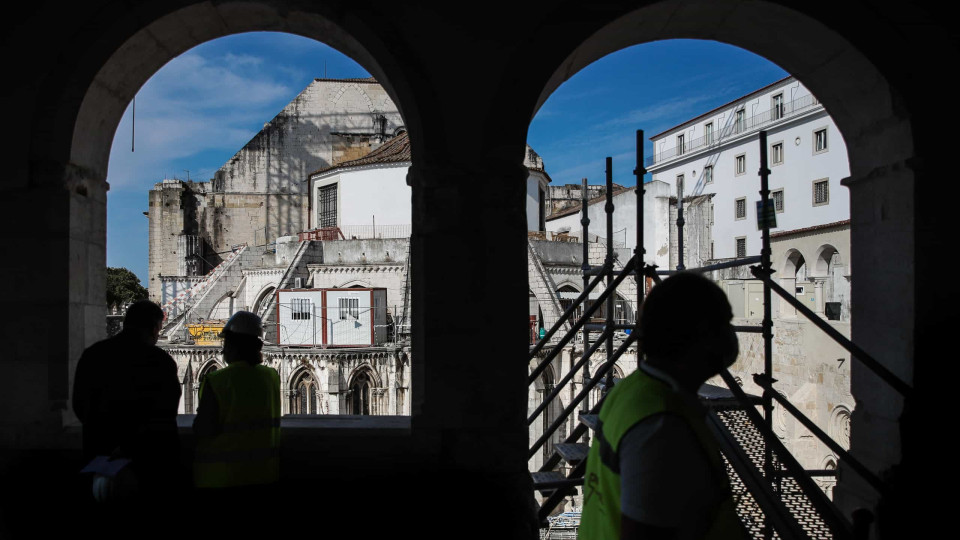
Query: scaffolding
x=775, y=496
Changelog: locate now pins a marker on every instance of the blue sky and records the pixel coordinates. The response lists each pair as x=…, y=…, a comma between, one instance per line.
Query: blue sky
x=203, y=106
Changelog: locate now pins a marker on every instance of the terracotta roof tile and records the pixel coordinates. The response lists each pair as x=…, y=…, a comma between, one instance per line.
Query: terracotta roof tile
x=396, y=150
x=809, y=229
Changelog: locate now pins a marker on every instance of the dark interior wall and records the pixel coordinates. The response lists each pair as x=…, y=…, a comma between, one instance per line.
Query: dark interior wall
x=77, y=65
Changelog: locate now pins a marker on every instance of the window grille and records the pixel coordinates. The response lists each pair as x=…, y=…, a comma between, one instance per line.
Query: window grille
x=349, y=308
x=777, y=197
x=327, y=206
x=300, y=309
x=821, y=192
x=740, y=208
x=741, y=247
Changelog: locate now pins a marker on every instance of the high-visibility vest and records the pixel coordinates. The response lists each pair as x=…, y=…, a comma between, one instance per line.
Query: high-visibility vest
x=635, y=398
x=247, y=449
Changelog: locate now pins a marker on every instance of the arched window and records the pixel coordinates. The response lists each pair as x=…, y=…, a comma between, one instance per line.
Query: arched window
x=304, y=397
x=360, y=393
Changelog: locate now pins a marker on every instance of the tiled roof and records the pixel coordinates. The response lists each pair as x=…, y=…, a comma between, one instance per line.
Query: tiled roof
x=595, y=200
x=809, y=229
x=396, y=150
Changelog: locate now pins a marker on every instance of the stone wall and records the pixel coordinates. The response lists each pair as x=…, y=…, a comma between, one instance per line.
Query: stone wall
x=331, y=372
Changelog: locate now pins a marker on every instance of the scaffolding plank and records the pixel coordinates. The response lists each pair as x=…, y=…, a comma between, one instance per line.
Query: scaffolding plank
x=572, y=453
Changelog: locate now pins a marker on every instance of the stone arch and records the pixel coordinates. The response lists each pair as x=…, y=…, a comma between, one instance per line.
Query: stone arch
x=221, y=311
x=793, y=260
x=826, y=257
x=263, y=298
x=362, y=391
x=140, y=51
x=839, y=428
x=854, y=105
x=355, y=283
x=304, y=391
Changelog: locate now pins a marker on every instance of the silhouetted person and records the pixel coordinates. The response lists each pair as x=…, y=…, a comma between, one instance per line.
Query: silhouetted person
x=237, y=426
x=654, y=470
x=126, y=393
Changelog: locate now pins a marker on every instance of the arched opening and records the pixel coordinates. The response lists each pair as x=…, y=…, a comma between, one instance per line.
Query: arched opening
x=304, y=394
x=263, y=300
x=360, y=396
x=567, y=294
x=667, y=20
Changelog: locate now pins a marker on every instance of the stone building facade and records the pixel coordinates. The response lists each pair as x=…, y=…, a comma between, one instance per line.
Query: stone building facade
x=261, y=192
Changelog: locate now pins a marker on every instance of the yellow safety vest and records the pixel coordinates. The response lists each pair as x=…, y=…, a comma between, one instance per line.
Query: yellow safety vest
x=635, y=398
x=247, y=449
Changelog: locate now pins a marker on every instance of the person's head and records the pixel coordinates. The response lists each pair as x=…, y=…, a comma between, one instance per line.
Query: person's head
x=241, y=338
x=144, y=319
x=685, y=324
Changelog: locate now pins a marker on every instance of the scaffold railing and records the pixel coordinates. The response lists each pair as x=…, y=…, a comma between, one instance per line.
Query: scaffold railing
x=779, y=497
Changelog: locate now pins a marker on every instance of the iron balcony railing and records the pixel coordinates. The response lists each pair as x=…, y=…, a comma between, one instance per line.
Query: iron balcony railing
x=736, y=128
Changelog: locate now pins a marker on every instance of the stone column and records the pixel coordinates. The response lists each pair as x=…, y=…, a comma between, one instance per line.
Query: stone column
x=818, y=295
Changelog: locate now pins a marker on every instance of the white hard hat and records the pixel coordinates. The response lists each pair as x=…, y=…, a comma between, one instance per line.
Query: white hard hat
x=245, y=323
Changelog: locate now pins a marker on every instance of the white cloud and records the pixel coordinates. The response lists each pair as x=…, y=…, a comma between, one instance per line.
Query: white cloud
x=197, y=105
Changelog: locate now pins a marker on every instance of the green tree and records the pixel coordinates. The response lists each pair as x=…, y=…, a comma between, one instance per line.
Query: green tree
x=123, y=287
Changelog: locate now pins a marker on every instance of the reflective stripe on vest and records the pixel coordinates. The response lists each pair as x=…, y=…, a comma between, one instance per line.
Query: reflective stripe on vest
x=636, y=398
x=247, y=449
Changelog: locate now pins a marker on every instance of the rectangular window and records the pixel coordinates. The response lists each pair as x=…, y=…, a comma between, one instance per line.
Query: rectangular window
x=740, y=208
x=681, y=144
x=777, y=106
x=708, y=174
x=349, y=308
x=680, y=186
x=820, y=140
x=741, y=247
x=776, y=154
x=300, y=309
x=821, y=192
x=740, y=164
x=740, y=123
x=777, y=196
x=708, y=133
x=327, y=206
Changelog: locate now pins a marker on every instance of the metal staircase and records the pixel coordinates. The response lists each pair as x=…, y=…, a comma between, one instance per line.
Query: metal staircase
x=775, y=496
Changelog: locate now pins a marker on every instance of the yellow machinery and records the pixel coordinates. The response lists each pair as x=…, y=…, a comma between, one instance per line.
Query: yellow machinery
x=207, y=332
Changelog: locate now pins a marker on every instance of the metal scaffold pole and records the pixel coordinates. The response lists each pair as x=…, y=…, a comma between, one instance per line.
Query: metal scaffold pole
x=585, y=267
x=639, y=251
x=767, y=313
x=608, y=208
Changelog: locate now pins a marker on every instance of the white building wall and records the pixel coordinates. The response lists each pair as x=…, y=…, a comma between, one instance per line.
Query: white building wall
x=801, y=167
x=367, y=193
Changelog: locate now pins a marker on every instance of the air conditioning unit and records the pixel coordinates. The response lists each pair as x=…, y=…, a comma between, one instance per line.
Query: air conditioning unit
x=298, y=283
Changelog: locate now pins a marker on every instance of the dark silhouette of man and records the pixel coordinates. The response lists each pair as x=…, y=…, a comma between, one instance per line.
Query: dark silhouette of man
x=654, y=470
x=126, y=393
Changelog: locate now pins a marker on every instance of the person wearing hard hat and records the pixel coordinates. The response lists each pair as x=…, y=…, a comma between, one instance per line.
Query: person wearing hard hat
x=654, y=470
x=237, y=427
